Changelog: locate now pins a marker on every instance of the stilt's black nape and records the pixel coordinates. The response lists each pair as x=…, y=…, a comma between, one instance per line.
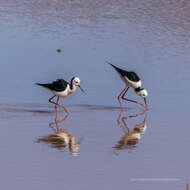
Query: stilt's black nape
x=71, y=83
x=138, y=89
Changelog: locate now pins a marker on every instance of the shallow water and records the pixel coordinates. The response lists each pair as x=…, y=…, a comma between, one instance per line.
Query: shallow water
x=150, y=37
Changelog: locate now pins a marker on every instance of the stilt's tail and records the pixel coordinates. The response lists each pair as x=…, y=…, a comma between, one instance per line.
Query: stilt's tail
x=40, y=84
x=43, y=85
x=112, y=65
x=120, y=71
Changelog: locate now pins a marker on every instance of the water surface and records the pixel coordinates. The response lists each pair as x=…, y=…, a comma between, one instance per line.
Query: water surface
x=149, y=37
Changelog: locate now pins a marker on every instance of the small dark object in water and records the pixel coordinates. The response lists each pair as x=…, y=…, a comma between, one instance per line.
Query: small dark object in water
x=58, y=50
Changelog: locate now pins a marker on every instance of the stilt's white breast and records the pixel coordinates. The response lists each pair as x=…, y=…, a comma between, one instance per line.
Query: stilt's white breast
x=66, y=92
x=132, y=84
x=63, y=94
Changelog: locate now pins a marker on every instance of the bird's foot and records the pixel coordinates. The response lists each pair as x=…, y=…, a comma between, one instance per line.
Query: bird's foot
x=145, y=107
x=121, y=109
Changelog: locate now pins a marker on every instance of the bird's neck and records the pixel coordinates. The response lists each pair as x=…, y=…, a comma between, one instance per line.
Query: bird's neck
x=72, y=88
x=138, y=89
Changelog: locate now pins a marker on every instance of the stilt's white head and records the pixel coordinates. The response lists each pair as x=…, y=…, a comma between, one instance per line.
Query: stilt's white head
x=75, y=81
x=142, y=93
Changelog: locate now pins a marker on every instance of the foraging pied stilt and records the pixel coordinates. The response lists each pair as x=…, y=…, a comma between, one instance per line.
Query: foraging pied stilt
x=131, y=79
x=61, y=89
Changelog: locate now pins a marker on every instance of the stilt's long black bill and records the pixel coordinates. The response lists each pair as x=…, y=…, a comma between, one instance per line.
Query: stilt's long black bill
x=82, y=89
x=145, y=101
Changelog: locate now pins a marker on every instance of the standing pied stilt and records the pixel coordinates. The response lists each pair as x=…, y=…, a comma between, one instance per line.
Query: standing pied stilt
x=131, y=79
x=61, y=89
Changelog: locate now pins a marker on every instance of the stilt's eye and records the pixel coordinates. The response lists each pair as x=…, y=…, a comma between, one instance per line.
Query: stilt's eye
x=76, y=82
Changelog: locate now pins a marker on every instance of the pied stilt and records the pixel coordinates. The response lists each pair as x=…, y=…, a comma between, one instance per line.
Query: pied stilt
x=131, y=79
x=61, y=89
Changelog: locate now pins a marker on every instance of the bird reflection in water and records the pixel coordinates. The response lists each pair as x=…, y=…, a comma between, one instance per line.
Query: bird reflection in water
x=60, y=138
x=131, y=137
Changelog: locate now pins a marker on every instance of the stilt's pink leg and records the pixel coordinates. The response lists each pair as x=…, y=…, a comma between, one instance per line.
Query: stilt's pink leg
x=56, y=104
x=133, y=101
x=123, y=91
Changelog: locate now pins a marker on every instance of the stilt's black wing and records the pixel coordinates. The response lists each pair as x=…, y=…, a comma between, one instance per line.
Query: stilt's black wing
x=129, y=74
x=133, y=76
x=58, y=85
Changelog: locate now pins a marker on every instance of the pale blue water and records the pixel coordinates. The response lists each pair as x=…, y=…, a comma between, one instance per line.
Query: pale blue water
x=147, y=37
